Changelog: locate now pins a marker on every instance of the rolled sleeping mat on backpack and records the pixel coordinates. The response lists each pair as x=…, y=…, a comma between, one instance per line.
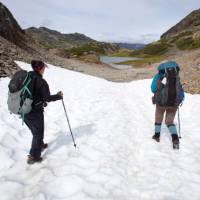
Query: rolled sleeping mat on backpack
x=167, y=65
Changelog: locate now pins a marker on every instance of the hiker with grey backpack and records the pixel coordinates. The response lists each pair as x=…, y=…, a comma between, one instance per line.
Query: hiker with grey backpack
x=168, y=96
x=27, y=97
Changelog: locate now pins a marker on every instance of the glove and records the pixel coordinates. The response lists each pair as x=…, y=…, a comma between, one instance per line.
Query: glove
x=44, y=104
x=60, y=94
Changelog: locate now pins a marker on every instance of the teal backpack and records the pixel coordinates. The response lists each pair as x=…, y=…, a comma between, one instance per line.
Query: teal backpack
x=171, y=92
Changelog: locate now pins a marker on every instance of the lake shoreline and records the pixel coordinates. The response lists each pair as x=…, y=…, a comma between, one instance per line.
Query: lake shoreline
x=106, y=71
x=114, y=61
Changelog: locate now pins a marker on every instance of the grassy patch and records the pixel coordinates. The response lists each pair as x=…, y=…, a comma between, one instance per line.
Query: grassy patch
x=157, y=49
x=122, y=53
x=46, y=45
x=188, y=43
x=179, y=36
x=151, y=53
x=152, y=50
x=144, y=61
x=88, y=48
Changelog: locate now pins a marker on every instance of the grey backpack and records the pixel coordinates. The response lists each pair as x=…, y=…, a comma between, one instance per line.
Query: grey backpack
x=19, y=95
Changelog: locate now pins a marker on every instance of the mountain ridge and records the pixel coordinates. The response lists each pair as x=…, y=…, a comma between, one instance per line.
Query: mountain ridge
x=189, y=23
x=54, y=38
x=25, y=45
x=129, y=45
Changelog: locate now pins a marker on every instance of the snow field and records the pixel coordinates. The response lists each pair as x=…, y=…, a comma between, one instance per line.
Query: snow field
x=116, y=158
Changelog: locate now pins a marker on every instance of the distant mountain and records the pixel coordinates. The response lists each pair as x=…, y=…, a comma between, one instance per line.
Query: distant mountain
x=53, y=39
x=41, y=43
x=74, y=44
x=134, y=46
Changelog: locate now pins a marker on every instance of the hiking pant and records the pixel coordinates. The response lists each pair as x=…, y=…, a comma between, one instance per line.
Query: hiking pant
x=169, y=118
x=35, y=122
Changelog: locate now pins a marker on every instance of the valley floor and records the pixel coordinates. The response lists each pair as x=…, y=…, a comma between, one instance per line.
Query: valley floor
x=189, y=62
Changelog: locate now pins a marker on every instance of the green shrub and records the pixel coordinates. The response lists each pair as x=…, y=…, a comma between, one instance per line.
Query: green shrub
x=125, y=53
x=188, y=43
x=181, y=35
x=143, y=62
x=153, y=49
x=158, y=48
x=185, y=33
x=86, y=48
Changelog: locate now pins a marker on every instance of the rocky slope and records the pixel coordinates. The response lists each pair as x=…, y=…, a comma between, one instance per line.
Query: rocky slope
x=52, y=39
x=45, y=44
x=9, y=52
x=12, y=42
x=9, y=28
x=186, y=34
x=67, y=45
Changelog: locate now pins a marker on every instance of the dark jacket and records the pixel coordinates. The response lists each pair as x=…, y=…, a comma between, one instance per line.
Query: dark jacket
x=40, y=92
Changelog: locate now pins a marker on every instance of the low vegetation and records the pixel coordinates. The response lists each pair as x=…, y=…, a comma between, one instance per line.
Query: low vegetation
x=157, y=51
x=172, y=40
x=184, y=41
x=123, y=53
x=152, y=50
x=188, y=43
x=143, y=61
x=151, y=53
x=89, y=48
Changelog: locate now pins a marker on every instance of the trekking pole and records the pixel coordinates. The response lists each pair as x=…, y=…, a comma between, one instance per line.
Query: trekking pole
x=179, y=124
x=68, y=123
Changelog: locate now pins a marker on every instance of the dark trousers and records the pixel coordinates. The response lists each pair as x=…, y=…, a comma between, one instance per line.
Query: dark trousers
x=35, y=122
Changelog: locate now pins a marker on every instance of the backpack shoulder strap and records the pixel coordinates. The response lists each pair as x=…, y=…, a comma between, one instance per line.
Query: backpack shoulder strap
x=26, y=84
x=158, y=83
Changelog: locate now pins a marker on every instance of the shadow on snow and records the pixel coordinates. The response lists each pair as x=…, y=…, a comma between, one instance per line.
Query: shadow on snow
x=65, y=139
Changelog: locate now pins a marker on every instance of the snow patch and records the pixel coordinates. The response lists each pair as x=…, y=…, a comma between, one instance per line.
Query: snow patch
x=116, y=157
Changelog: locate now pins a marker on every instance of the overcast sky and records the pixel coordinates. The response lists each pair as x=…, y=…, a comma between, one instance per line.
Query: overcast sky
x=104, y=20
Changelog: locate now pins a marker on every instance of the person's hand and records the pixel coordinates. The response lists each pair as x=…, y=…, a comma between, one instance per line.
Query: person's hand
x=60, y=94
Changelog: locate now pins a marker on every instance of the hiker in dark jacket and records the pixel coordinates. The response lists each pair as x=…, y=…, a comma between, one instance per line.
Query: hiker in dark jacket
x=167, y=100
x=35, y=119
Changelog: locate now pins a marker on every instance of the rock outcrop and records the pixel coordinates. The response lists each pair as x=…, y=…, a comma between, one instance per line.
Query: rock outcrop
x=9, y=28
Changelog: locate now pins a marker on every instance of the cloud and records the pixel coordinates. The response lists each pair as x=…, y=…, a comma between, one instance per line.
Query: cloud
x=127, y=20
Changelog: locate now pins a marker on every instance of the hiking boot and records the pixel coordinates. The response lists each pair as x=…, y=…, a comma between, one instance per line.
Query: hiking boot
x=175, y=141
x=175, y=138
x=44, y=146
x=31, y=160
x=156, y=137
